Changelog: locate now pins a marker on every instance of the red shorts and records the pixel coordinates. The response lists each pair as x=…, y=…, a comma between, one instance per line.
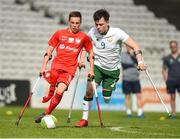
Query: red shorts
x=58, y=76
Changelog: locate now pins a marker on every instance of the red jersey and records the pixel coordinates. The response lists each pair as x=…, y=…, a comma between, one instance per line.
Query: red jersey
x=68, y=46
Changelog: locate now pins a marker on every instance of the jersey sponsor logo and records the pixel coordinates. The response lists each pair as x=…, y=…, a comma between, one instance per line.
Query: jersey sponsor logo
x=63, y=38
x=62, y=46
x=71, y=49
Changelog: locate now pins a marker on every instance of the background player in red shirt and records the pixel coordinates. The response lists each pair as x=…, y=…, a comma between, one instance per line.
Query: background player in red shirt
x=68, y=44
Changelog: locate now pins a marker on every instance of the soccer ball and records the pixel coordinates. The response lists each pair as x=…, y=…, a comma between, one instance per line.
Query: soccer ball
x=48, y=121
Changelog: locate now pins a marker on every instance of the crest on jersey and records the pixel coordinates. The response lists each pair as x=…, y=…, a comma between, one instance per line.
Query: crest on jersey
x=77, y=40
x=110, y=39
x=70, y=40
x=171, y=61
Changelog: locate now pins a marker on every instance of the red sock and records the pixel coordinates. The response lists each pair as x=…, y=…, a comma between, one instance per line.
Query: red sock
x=54, y=102
x=50, y=94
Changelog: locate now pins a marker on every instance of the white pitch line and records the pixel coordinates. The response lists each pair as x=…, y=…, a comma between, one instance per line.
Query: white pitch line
x=122, y=129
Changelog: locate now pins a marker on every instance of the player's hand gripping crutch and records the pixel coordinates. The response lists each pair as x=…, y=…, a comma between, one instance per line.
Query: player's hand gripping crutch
x=74, y=93
x=157, y=92
x=97, y=103
x=29, y=98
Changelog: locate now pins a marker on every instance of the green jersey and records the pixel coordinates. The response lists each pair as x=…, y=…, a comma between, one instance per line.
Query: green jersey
x=107, y=48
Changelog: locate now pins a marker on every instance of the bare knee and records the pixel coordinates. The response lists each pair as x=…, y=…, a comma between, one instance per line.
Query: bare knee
x=61, y=87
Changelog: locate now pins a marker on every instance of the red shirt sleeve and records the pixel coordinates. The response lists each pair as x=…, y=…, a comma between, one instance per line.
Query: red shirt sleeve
x=54, y=40
x=87, y=43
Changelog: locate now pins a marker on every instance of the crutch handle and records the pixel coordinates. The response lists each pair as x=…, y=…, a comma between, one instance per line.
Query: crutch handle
x=83, y=66
x=90, y=77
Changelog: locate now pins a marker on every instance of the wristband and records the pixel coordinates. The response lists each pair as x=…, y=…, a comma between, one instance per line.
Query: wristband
x=46, y=54
x=140, y=62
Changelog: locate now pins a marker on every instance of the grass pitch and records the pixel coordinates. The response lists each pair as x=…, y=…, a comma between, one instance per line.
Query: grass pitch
x=117, y=125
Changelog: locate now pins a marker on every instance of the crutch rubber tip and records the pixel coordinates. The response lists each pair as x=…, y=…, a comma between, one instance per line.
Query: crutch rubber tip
x=102, y=125
x=17, y=123
x=68, y=120
x=170, y=115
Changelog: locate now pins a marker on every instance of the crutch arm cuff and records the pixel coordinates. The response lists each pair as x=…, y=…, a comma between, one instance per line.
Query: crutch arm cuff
x=88, y=98
x=137, y=52
x=90, y=77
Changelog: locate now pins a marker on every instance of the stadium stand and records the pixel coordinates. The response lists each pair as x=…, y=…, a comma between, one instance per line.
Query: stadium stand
x=170, y=9
x=24, y=36
x=25, y=30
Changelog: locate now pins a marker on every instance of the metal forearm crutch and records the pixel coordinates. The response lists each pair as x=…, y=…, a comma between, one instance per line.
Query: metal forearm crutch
x=27, y=102
x=97, y=103
x=157, y=92
x=74, y=93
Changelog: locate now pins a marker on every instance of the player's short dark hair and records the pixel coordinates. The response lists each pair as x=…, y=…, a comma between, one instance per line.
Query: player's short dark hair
x=101, y=13
x=75, y=14
x=173, y=41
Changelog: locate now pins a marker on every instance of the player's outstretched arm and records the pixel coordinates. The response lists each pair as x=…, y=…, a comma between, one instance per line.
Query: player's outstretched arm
x=138, y=53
